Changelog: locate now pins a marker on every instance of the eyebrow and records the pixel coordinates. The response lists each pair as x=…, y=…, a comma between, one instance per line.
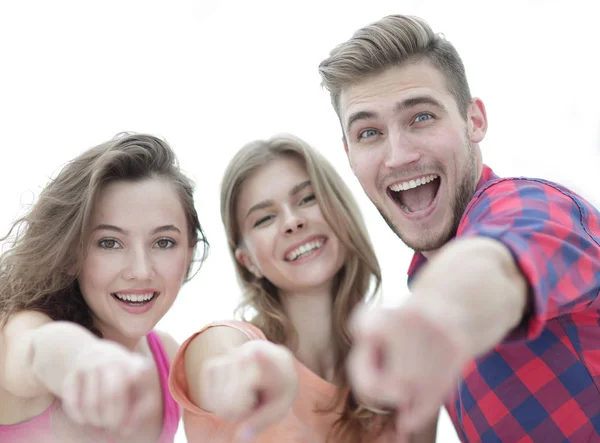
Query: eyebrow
x=299, y=187
x=400, y=106
x=419, y=100
x=107, y=227
x=265, y=204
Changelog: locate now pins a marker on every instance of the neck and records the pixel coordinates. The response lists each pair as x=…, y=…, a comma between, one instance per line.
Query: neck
x=311, y=316
x=133, y=344
x=429, y=254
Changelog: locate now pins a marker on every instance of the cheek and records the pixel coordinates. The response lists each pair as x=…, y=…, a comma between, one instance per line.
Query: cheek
x=173, y=267
x=356, y=162
x=96, y=275
x=94, y=270
x=261, y=247
x=342, y=254
x=364, y=167
x=450, y=138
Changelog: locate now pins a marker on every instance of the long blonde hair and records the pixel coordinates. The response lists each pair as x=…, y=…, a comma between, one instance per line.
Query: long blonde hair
x=39, y=271
x=352, y=283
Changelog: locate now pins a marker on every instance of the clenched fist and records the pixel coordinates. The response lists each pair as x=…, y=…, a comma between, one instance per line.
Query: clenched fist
x=108, y=387
x=405, y=359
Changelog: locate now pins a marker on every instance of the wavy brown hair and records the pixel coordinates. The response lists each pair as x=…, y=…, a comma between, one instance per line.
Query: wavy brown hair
x=39, y=270
x=352, y=283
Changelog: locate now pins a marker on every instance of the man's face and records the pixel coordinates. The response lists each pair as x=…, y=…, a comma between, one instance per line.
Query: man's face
x=414, y=154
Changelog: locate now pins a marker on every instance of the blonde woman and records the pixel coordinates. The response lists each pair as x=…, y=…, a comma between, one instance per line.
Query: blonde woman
x=304, y=260
x=94, y=266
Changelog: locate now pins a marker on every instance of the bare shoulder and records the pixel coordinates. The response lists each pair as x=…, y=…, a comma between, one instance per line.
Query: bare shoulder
x=219, y=338
x=16, y=337
x=213, y=341
x=21, y=323
x=171, y=345
x=15, y=331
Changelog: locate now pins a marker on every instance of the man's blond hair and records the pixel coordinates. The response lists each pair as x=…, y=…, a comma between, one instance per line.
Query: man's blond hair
x=391, y=42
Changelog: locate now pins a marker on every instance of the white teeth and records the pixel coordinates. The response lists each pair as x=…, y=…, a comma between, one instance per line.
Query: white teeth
x=136, y=298
x=413, y=183
x=304, y=249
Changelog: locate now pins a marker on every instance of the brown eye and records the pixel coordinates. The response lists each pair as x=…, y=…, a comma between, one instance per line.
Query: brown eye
x=165, y=243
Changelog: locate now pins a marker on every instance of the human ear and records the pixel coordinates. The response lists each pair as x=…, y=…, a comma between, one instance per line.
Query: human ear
x=242, y=257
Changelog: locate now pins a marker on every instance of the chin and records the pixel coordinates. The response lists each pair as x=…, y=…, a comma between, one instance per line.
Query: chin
x=138, y=331
x=423, y=239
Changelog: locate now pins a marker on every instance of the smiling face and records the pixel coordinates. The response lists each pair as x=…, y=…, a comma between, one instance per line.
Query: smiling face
x=137, y=257
x=415, y=156
x=284, y=236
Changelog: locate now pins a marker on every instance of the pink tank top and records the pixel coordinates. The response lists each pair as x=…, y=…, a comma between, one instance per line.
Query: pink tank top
x=40, y=427
x=171, y=411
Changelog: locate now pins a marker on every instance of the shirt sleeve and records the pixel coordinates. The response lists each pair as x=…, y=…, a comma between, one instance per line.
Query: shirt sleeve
x=197, y=421
x=553, y=236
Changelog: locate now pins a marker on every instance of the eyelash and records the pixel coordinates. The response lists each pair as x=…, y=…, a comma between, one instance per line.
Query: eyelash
x=102, y=243
x=362, y=133
x=423, y=114
x=170, y=240
x=308, y=199
x=262, y=220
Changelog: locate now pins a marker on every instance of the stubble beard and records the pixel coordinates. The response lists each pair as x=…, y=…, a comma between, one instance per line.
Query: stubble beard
x=428, y=241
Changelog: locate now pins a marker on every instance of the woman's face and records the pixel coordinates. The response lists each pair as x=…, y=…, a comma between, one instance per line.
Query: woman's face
x=137, y=256
x=284, y=236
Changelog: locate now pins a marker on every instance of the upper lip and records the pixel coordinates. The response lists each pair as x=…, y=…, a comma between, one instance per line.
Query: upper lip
x=300, y=243
x=137, y=291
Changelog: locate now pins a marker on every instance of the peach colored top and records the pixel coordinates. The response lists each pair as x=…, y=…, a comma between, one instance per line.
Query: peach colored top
x=301, y=425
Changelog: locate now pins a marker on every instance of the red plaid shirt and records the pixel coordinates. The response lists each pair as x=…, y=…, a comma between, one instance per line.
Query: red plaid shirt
x=542, y=383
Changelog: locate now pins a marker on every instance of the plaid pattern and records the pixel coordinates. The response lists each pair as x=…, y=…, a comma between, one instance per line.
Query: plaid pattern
x=542, y=383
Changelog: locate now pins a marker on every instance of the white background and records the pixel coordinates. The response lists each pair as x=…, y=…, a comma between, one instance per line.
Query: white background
x=210, y=76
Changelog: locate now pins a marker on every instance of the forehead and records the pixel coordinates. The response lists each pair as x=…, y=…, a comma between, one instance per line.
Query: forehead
x=386, y=88
x=138, y=204
x=272, y=181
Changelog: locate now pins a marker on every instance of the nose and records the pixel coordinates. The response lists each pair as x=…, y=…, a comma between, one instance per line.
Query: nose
x=293, y=221
x=400, y=151
x=139, y=265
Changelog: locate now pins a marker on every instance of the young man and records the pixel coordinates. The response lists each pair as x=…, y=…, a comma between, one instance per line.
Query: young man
x=506, y=271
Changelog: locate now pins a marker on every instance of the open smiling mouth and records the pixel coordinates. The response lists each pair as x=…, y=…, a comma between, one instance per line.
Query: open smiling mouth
x=135, y=299
x=306, y=250
x=415, y=196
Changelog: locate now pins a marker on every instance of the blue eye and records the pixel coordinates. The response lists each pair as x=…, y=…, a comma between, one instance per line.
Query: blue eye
x=423, y=117
x=367, y=133
x=109, y=243
x=164, y=243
